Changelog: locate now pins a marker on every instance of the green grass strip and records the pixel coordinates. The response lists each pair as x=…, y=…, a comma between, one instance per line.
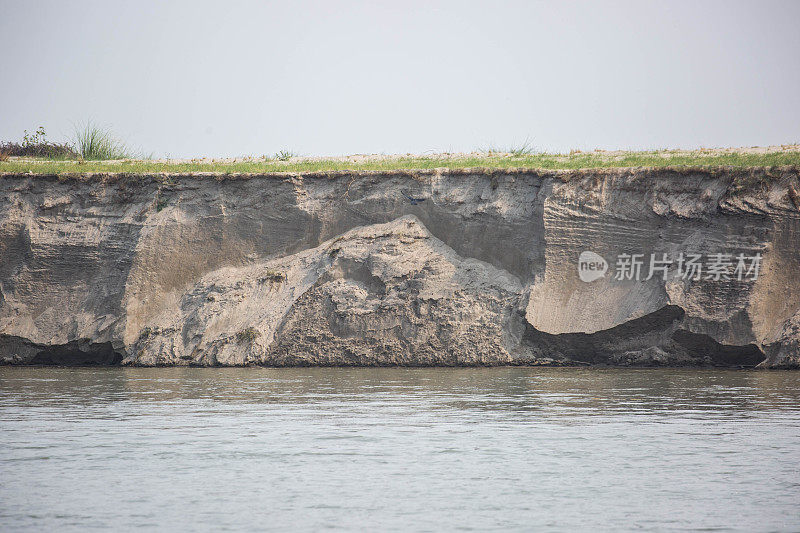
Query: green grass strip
x=532, y=161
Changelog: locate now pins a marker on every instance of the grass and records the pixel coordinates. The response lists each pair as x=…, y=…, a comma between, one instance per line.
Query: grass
x=575, y=160
x=521, y=150
x=97, y=144
x=285, y=155
x=526, y=148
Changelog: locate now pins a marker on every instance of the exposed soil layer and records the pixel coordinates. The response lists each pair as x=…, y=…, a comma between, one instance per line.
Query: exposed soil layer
x=405, y=267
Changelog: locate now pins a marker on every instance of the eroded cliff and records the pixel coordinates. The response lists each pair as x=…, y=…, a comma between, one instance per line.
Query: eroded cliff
x=445, y=267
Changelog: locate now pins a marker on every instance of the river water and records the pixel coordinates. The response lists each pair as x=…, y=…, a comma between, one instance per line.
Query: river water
x=399, y=449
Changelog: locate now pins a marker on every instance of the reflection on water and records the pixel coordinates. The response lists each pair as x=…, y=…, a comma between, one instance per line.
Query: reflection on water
x=510, y=448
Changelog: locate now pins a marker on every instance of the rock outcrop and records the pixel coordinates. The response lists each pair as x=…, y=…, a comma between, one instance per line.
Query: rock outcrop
x=441, y=267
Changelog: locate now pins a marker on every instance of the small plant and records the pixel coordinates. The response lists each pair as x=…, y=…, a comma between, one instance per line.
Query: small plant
x=97, y=144
x=247, y=335
x=146, y=332
x=272, y=275
x=38, y=137
x=285, y=155
x=161, y=203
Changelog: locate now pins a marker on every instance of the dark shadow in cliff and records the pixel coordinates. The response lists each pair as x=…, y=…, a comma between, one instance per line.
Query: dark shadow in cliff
x=72, y=354
x=652, y=340
x=15, y=350
x=721, y=354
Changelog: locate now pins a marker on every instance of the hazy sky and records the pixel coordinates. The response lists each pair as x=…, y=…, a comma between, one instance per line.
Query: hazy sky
x=324, y=77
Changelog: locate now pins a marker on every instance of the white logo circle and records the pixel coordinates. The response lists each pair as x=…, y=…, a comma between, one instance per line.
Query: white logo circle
x=591, y=266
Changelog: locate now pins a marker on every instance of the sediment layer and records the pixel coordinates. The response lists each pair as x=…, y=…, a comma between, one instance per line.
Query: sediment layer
x=440, y=267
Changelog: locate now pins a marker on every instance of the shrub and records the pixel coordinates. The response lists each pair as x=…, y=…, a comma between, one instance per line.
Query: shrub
x=36, y=145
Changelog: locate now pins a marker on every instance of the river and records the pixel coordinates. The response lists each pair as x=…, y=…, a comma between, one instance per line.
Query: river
x=561, y=449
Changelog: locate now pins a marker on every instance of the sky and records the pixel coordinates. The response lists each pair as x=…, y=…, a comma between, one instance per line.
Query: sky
x=232, y=78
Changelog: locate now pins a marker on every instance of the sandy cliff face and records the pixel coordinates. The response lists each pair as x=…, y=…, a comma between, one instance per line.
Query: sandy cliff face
x=412, y=268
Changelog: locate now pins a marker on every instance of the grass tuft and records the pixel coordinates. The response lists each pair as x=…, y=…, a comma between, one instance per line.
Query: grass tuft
x=285, y=155
x=524, y=149
x=521, y=150
x=97, y=144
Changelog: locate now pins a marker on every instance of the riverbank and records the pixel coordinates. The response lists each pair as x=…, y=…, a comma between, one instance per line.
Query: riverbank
x=462, y=267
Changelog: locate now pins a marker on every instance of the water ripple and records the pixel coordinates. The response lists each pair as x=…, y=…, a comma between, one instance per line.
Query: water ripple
x=399, y=449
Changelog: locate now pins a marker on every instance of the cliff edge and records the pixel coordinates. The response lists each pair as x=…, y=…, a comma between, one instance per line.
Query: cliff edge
x=637, y=266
